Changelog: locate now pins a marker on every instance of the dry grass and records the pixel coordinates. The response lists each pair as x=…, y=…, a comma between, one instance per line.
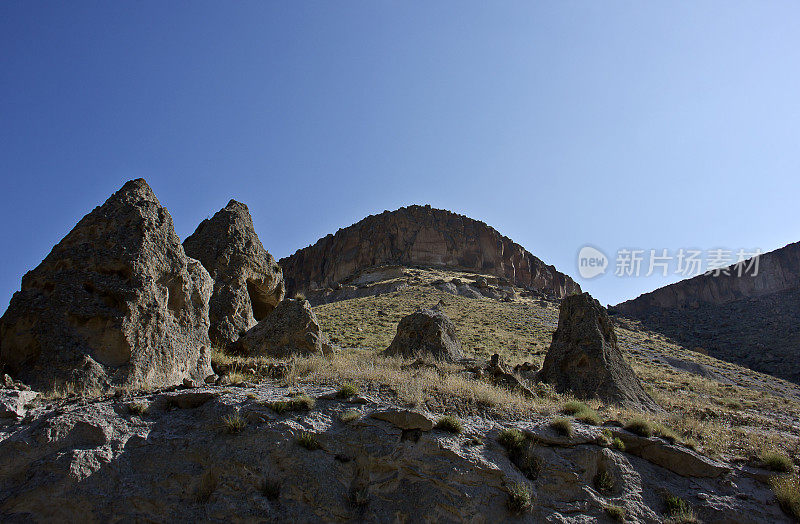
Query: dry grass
x=787, y=491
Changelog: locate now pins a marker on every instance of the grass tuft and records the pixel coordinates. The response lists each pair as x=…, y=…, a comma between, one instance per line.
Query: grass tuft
x=308, y=441
x=350, y=416
x=519, y=498
x=618, y=444
x=298, y=403
x=616, y=513
x=573, y=407
x=512, y=439
x=347, y=391
x=640, y=426
x=604, y=481
x=563, y=426
x=678, y=510
x=449, y=423
x=787, y=491
x=776, y=462
x=233, y=424
x=138, y=408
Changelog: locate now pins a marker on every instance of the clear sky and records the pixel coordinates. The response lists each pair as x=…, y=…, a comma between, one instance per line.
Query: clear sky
x=617, y=124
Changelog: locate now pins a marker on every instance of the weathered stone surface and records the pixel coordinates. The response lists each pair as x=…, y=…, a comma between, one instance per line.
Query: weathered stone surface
x=12, y=402
x=116, y=302
x=678, y=459
x=290, y=329
x=584, y=359
x=248, y=283
x=427, y=333
x=94, y=463
x=404, y=418
x=424, y=236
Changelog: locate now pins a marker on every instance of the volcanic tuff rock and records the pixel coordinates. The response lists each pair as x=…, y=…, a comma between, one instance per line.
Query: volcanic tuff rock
x=248, y=284
x=290, y=329
x=750, y=320
x=115, y=302
x=427, y=333
x=422, y=236
x=584, y=359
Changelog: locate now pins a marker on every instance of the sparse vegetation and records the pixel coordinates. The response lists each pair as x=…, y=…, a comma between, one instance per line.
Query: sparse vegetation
x=589, y=416
x=350, y=415
x=574, y=407
x=616, y=513
x=207, y=486
x=298, y=403
x=617, y=444
x=662, y=431
x=787, y=491
x=512, y=439
x=604, y=481
x=678, y=511
x=233, y=424
x=519, y=498
x=138, y=408
x=640, y=426
x=347, y=391
x=776, y=462
x=563, y=426
x=449, y=423
x=308, y=440
x=299, y=296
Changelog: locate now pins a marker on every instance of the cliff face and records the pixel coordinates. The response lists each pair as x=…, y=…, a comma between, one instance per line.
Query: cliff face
x=778, y=270
x=418, y=235
x=750, y=320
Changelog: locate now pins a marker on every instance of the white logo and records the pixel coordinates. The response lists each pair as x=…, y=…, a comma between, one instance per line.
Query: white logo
x=591, y=262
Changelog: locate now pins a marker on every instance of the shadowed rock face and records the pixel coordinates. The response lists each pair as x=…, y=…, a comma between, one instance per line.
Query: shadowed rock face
x=584, y=359
x=248, y=284
x=290, y=329
x=428, y=333
x=424, y=236
x=749, y=320
x=115, y=302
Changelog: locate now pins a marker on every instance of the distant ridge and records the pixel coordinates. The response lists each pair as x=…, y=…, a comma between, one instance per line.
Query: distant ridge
x=420, y=235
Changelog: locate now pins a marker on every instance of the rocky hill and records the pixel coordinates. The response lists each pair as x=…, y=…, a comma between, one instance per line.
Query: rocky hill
x=420, y=235
x=750, y=320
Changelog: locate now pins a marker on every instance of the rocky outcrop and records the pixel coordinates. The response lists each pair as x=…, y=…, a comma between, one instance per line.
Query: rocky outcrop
x=116, y=302
x=584, y=359
x=427, y=333
x=248, y=283
x=778, y=270
x=749, y=320
x=290, y=329
x=418, y=235
x=99, y=462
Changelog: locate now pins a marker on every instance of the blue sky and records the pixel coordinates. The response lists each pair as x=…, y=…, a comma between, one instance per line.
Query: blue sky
x=617, y=124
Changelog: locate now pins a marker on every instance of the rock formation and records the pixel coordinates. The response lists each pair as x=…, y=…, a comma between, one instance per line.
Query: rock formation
x=248, y=284
x=422, y=236
x=749, y=320
x=427, y=333
x=290, y=329
x=584, y=359
x=116, y=302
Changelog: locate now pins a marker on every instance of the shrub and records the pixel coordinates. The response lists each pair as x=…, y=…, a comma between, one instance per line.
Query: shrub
x=448, y=423
x=519, y=498
x=588, y=416
x=350, y=416
x=299, y=296
x=604, y=481
x=787, y=491
x=347, y=391
x=666, y=433
x=573, y=406
x=298, y=403
x=138, y=408
x=776, y=462
x=270, y=488
x=233, y=424
x=678, y=510
x=618, y=444
x=640, y=426
x=512, y=439
x=616, y=513
x=208, y=484
x=308, y=441
x=563, y=426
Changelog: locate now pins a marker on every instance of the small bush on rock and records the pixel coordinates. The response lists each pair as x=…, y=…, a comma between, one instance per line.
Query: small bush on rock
x=308, y=441
x=298, y=403
x=138, y=408
x=347, y=391
x=512, y=439
x=519, y=498
x=573, y=406
x=563, y=426
x=787, y=491
x=678, y=510
x=350, y=416
x=233, y=424
x=776, y=462
x=640, y=426
x=449, y=423
x=618, y=444
x=616, y=513
x=604, y=481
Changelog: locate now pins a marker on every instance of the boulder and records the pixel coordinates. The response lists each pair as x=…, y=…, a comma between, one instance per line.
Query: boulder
x=427, y=333
x=404, y=418
x=116, y=302
x=290, y=329
x=248, y=283
x=584, y=359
